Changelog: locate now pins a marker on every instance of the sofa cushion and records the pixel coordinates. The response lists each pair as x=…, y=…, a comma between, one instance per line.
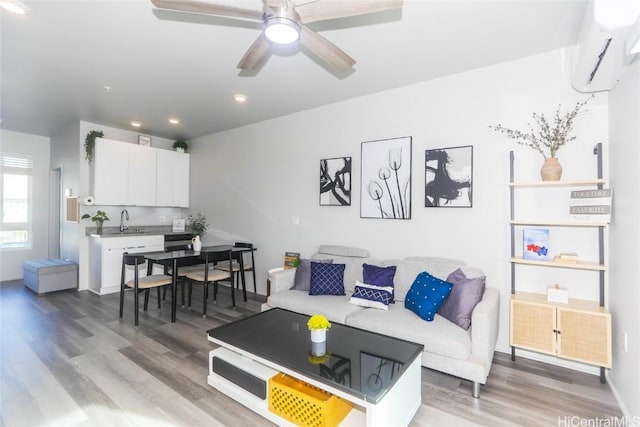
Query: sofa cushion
x=465, y=295
x=302, y=280
x=327, y=279
x=372, y=296
x=440, y=336
x=379, y=276
x=426, y=296
x=336, y=308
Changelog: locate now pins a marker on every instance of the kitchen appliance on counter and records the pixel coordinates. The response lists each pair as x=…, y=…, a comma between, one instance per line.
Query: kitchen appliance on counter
x=177, y=242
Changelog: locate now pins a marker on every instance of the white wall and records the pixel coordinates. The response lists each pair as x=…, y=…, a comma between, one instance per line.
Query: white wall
x=252, y=180
x=624, y=116
x=38, y=147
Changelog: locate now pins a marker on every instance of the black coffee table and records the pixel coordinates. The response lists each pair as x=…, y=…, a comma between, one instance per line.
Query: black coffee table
x=379, y=374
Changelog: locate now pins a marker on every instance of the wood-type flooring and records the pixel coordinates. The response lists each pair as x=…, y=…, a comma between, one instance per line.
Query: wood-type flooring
x=66, y=359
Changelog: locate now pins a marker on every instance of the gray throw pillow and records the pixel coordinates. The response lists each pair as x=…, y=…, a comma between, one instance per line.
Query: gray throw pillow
x=465, y=295
x=302, y=281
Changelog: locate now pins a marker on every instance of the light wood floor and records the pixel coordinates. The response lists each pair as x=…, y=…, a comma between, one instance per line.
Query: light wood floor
x=68, y=360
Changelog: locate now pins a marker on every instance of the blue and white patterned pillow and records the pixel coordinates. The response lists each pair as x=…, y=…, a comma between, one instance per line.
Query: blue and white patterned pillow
x=326, y=279
x=426, y=296
x=372, y=296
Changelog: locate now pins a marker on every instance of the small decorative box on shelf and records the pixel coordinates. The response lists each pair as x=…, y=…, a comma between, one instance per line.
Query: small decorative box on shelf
x=557, y=294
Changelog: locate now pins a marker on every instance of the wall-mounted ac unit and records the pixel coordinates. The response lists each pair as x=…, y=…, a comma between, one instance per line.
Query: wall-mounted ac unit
x=603, y=48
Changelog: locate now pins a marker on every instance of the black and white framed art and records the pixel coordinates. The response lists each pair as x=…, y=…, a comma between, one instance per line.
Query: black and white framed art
x=385, y=186
x=449, y=177
x=335, y=181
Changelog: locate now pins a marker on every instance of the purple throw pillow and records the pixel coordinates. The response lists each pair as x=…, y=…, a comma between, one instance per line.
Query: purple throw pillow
x=379, y=276
x=327, y=279
x=303, y=273
x=465, y=295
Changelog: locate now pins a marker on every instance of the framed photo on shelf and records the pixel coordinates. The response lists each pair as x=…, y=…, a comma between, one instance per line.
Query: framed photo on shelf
x=144, y=140
x=385, y=184
x=448, y=178
x=335, y=182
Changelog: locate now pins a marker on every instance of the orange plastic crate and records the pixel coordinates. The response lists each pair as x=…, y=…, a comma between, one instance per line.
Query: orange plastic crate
x=304, y=404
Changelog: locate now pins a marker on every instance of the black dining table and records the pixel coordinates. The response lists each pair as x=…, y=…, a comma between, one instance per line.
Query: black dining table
x=175, y=256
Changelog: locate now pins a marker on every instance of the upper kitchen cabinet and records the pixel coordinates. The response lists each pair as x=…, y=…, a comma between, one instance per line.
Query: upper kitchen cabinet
x=172, y=179
x=127, y=174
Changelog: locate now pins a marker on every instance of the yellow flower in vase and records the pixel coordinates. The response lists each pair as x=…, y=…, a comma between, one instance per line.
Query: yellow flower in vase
x=318, y=321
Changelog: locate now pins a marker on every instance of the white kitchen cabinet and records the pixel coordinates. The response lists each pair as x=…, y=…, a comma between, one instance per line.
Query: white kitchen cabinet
x=111, y=172
x=142, y=175
x=106, y=259
x=172, y=179
x=127, y=174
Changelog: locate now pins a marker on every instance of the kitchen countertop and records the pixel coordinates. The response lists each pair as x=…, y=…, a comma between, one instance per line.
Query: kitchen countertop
x=134, y=230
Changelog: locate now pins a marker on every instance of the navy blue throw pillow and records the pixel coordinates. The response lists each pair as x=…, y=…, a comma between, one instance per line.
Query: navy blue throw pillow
x=379, y=276
x=426, y=296
x=326, y=279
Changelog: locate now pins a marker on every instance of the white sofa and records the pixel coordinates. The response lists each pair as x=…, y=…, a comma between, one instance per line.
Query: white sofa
x=447, y=347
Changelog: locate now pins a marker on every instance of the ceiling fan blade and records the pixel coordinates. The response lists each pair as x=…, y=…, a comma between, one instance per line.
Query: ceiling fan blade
x=209, y=8
x=322, y=10
x=259, y=51
x=326, y=50
x=277, y=4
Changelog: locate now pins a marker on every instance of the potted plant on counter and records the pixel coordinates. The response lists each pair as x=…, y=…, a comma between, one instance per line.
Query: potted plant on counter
x=198, y=225
x=180, y=146
x=99, y=218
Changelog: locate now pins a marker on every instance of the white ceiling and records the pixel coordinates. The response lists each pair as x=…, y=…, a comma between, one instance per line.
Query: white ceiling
x=56, y=61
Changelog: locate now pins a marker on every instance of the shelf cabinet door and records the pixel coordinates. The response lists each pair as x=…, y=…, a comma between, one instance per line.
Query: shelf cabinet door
x=585, y=337
x=532, y=326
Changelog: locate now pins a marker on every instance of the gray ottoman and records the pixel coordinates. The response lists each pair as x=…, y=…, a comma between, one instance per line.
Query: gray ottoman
x=48, y=275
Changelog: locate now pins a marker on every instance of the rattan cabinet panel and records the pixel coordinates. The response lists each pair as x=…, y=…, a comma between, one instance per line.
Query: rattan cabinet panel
x=532, y=326
x=585, y=336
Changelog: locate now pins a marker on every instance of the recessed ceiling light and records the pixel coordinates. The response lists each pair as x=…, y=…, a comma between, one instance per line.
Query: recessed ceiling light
x=14, y=6
x=238, y=97
x=136, y=124
x=174, y=121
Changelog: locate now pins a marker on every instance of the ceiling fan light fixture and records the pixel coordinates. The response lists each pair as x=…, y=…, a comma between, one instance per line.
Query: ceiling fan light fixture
x=281, y=30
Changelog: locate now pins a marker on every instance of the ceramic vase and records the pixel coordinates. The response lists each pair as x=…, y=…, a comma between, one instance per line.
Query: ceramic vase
x=196, y=243
x=318, y=335
x=551, y=169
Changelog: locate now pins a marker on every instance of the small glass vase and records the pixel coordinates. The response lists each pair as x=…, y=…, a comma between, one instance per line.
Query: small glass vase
x=99, y=227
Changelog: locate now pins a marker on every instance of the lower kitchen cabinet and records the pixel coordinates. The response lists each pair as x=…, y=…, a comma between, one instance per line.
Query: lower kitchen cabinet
x=105, y=259
x=579, y=330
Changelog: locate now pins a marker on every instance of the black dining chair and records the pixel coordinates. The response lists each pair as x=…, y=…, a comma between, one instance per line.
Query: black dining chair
x=210, y=273
x=248, y=265
x=139, y=284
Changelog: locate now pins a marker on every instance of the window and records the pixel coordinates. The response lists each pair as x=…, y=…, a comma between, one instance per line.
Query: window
x=15, y=229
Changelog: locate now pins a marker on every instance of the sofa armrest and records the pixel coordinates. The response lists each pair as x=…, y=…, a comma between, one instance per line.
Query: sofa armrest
x=484, y=327
x=282, y=279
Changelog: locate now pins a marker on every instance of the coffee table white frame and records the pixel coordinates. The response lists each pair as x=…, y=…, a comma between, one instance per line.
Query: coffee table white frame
x=396, y=408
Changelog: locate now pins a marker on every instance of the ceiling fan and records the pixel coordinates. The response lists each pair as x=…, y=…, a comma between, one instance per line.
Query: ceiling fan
x=285, y=22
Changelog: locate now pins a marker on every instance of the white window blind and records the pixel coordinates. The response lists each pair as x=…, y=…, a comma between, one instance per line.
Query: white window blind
x=15, y=211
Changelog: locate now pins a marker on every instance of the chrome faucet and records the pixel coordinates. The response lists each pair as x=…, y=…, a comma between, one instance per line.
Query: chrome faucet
x=123, y=215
